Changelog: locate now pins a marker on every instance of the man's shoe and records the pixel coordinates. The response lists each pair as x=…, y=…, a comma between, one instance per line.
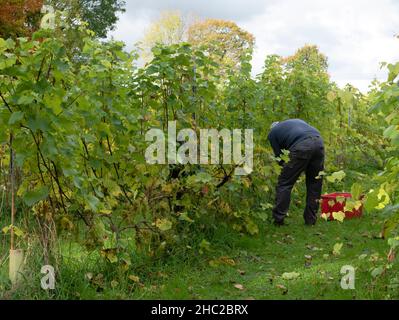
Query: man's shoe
x=310, y=224
x=279, y=223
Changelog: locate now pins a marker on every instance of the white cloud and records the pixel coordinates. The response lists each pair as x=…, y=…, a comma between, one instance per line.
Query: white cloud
x=356, y=35
x=130, y=30
x=222, y=9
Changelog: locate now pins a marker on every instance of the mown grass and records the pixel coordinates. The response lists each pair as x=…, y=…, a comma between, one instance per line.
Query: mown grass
x=237, y=266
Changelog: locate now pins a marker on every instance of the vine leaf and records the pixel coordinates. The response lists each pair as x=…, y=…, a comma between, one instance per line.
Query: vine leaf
x=32, y=197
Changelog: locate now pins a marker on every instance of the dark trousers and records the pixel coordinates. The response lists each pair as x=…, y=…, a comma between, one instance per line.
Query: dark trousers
x=305, y=156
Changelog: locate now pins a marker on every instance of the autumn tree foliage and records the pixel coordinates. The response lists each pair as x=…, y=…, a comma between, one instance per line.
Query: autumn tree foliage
x=19, y=17
x=224, y=40
x=310, y=56
x=170, y=28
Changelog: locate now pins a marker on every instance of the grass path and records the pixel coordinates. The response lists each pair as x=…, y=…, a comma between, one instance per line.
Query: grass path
x=245, y=267
x=251, y=268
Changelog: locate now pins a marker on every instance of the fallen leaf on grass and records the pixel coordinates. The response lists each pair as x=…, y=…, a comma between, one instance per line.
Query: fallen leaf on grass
x=222, y=261
x=290, y=275
x=325, y=216
x=308, y=261
x=377, y=272
x=241, y=272
x=282, y=288
x=367, y=235
x=239, y=286
x=313, y=248
x=337, y=249
x=134, y=278
x=89, y=275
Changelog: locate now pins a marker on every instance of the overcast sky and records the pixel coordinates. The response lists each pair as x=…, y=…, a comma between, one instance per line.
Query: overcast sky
x=356, y=35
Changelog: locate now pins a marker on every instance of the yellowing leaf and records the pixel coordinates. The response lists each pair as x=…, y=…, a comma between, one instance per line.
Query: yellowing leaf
x=285, y=156
x=18, y=232
x=340, y=216
x=110, y=255
x=251, y=227
x=331, y=96
x=325, y=216
x=239, y=286
x=163, y=224
x=290, y=275
x=384, y=199
x=134, y=278
x=358, y=204
x=320, y=175
x=337, y=249
x=222, y=261
x=6, y=229
x=167, y=188
x=340, y=199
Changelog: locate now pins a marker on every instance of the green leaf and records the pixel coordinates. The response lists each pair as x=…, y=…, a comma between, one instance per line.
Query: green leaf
x=184, y=217
x=377, y=272
x=336, y=176
x=393, y=71
x=54, y=102
x=204, y=246
x=356, y=191
x=32, y=197
x=15, y=117
x=92, y=202
x=393, y=242
x=371, y=200
x=251, y=227
x=25, y=99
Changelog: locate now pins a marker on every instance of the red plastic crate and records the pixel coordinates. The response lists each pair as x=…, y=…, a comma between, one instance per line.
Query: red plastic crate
x=328, y=210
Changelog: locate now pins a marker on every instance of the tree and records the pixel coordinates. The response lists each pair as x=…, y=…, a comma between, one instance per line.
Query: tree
x=226, y=42
x=309, y=56
x=272, y=84
x=170, y=28
x=309, y=82
x=101, y=15
x=19, y=17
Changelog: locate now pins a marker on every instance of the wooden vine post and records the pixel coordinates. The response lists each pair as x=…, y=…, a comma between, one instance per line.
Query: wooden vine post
x=16, y=255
